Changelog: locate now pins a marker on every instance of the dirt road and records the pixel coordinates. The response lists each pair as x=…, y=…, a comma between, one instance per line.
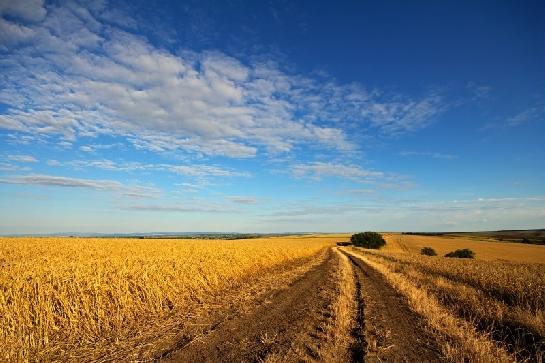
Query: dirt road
x=273, y=328
x=300, y=322
x=392, y=331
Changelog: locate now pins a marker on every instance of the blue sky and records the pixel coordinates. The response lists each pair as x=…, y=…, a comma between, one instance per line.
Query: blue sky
x=271, y=116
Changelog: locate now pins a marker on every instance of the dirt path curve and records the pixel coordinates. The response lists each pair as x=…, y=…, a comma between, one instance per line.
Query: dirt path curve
x=392, y=331
x=299, y=322
x=290, y=322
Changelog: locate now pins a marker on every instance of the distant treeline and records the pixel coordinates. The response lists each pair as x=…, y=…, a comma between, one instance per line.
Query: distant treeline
x=225, y=236
x=205, y=236
x=533, y=236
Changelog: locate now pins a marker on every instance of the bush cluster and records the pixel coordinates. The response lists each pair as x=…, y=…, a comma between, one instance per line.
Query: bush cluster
x=368, y=240
x=463, y=253
x=428, y=251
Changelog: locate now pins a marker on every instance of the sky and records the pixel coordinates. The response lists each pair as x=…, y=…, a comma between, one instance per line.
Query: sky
x=271, y=116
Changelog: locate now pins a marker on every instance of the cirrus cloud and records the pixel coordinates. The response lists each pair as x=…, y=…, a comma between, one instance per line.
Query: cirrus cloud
x=94, y=78
x=94, y=184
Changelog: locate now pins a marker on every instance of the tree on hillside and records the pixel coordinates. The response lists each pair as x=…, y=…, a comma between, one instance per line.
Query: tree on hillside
x=368, y=240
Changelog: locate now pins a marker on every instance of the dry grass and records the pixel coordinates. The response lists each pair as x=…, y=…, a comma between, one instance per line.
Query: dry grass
x=503, y=301
x=457, y=338
x=485, y=249
x=344, y=309
x=331, y=341
x=59, y=294
x=516, y=284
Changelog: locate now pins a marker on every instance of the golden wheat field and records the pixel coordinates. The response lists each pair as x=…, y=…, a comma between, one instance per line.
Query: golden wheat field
x=484, y=248
x=59, y=294
x=488, y=309
x=299, y=298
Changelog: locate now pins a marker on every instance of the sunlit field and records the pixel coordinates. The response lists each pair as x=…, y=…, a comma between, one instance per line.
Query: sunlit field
x=58, y=294
x=498, y=297
x=484, y=248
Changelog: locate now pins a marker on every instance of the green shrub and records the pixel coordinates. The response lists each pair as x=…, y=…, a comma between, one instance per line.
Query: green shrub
x=368, y=240
x=428, y=251
x=463, y=253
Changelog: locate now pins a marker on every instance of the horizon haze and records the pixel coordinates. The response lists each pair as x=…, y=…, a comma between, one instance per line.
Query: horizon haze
x=262, y=117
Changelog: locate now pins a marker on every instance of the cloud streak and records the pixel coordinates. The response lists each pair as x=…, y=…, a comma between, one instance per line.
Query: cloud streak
x=242, y=200
x=190, y=207
x=93, y=184
x=23, y=158
x=529, y=114
x=200, y=171
x=118, y=83
x=433, y=155
x=318, y=170
x=453, y=210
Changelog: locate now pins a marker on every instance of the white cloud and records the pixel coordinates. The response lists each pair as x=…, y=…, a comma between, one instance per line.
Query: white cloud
x=60, y=181
x=323, y=209
x=86, y=148
x=94, y=147
x=196, y=170
x=434, y=155
x=242, y=199
x=53, y=162
x=396, y=117
x=380, y=180
x=23, y=158
x=31, y=10
x=479, y=91
x=318, y=170
x=13, y=167
x=360, y=191
x=190, y=207
x=525, y=116
x=200, y=171
x=116, y=83
x=192, y=187
x=13, y=33
x=439, y=215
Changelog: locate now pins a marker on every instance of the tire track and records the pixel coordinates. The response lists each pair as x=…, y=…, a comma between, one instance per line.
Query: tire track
x=298, y=322
x=391, y=331
x=358, y=348
x=292, y=320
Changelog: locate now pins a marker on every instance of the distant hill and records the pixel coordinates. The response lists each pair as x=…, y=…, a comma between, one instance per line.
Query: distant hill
x=532, y=236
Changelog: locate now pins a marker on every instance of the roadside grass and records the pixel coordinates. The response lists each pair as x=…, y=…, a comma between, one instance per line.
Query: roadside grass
x=336, y=341
x=458, y=339
x=473, y=304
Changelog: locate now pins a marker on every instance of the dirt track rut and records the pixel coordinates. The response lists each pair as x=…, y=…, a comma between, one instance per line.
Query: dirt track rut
x=274, y=328
x=294, y=324
x=392, y=331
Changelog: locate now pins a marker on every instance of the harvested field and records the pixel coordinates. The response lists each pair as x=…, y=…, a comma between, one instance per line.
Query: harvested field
x=493, y=300
x=263, y=300
x=71, y=297
x=485, y=249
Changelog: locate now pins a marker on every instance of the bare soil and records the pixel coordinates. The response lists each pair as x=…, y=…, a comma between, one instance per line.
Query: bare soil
x=293, y=323
x=273, y=328
x=392, y=331
x=192, y=322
